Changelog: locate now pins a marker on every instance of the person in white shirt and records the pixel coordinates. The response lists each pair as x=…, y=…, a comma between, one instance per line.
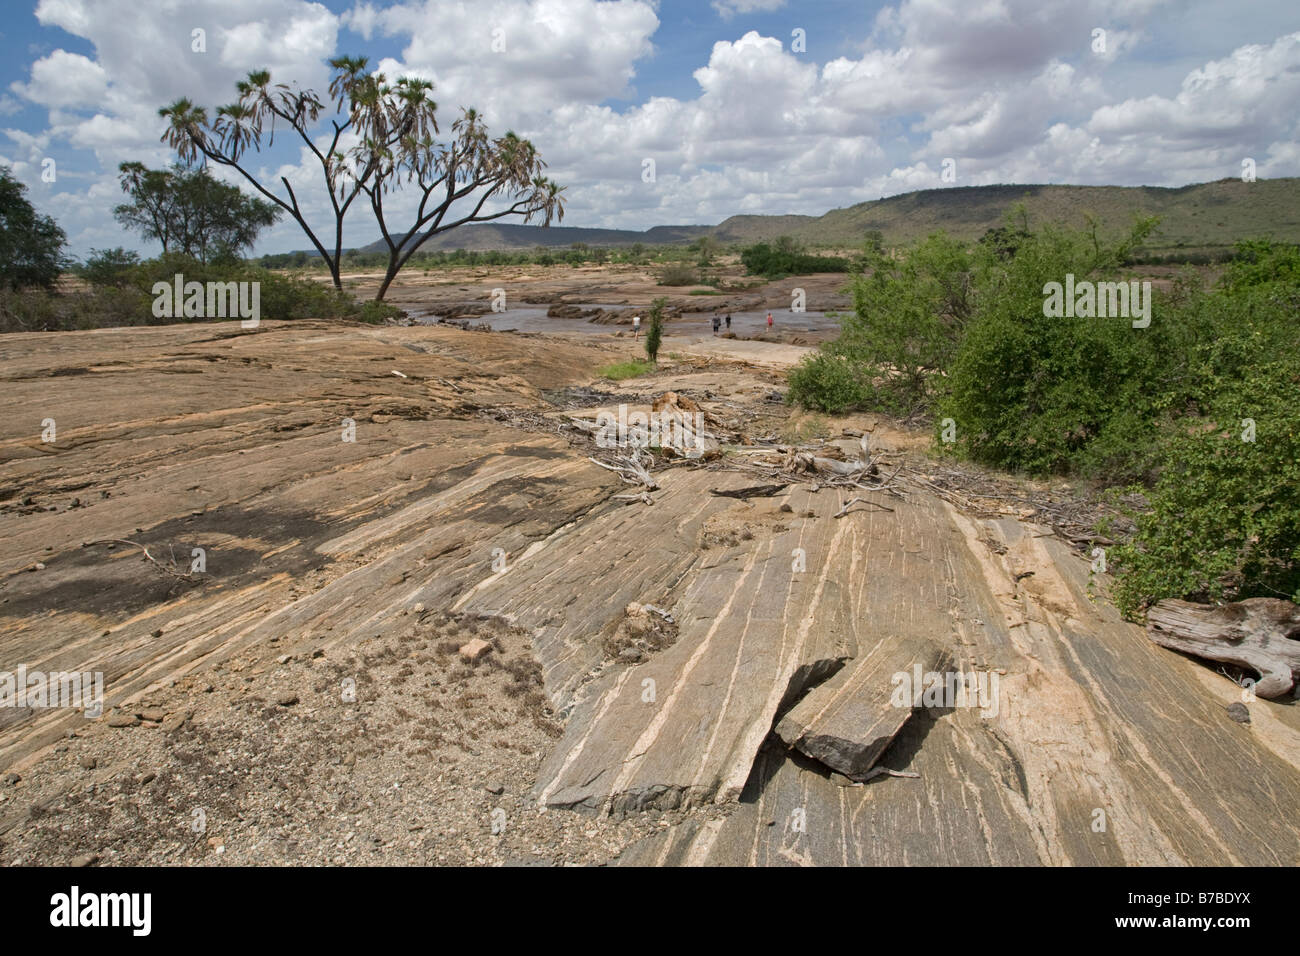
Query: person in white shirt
x=636, y=326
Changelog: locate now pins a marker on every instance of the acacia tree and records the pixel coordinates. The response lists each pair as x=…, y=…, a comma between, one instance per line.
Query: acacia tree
x=187, y=209
x=383, y=136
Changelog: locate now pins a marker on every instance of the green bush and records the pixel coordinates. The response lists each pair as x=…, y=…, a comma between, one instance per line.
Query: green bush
x=963, y=332
x=784, y=258
x=1060, y=394
x=654, y=335
x=110, y=267
x=1224, y=518
x=679, y=273
x=28, y=310
x=832, y=383
x=122, y=295
x=37, y=310
x=908, y=320
x=377, y=313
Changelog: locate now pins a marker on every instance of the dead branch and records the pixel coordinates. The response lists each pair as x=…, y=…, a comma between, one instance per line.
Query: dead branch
x=884, y=772
x=180, y=576
x=751, y=491
x=630, y=469
x=845, y=510
x=1262, y=634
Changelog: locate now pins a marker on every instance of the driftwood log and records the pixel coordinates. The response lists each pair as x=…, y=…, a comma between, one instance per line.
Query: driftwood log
x=751, y=491
x=1262, y=634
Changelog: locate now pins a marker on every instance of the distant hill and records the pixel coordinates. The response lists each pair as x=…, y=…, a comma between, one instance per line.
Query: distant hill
x=1199, y=215
x=1204, y=214
x=486, y=237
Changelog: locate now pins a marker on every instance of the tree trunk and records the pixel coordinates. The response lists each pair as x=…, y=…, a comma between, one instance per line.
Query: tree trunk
x=389, y=276
x=1262, y=634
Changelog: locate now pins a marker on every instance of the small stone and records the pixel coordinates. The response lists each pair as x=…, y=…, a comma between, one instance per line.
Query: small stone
x=158, y=632
x=39, y=566
x=474, y=650
x=287, y=700
x=217, y=843
x=1239, y=712
x=786, y=508
x=148, y=778
x=418, y=609
x=124, y=720
x=176, y=721
x=86, y=859
x=350, y=760
x=208, y=688
x=494, y=787
x=284, y=658
x=154, y=715
x=317, y=654
x=632, y=655
x=10, y=779
x=89, y=763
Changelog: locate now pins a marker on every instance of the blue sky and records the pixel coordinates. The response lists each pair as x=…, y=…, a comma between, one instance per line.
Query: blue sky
x=884, y=97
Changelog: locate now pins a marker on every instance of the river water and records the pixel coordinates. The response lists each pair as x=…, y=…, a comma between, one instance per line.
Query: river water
x=535, y=319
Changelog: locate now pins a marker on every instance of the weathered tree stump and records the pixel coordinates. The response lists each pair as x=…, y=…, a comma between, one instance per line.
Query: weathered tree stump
x=1262, y=634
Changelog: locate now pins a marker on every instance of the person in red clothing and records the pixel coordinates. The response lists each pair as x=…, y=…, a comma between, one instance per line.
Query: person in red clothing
x=769, y=320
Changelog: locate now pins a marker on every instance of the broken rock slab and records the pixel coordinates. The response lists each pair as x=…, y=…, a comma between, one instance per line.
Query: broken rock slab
x=847, y=722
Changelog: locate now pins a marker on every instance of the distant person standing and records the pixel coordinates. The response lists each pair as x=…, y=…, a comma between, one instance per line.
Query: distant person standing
x=636, y=327
x=728, y=321
x=769, y=320
x=717, y=324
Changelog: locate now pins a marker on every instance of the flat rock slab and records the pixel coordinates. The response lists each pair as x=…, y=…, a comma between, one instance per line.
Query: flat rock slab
x=847, y=722
x=570, y=588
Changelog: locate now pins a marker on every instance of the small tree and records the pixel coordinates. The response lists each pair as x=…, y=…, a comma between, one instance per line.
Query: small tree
x=31, y=246
x=189, y=211
x=707, y=247
x=655, y=331
x=110, y=267
x=383, y=138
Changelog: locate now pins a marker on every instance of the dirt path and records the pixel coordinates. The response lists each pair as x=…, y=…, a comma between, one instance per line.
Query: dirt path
x=369, y=500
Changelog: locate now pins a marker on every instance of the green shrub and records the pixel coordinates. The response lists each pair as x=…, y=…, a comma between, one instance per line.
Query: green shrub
x=1059, y=394
x=655, y=331
x=678, y=273
x=37, y=310
x=831, y=383
x=908, y=320
x=784, y=258
x=377, y=313
x=110, y=267
x=28, y=310
x=1224, y=519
